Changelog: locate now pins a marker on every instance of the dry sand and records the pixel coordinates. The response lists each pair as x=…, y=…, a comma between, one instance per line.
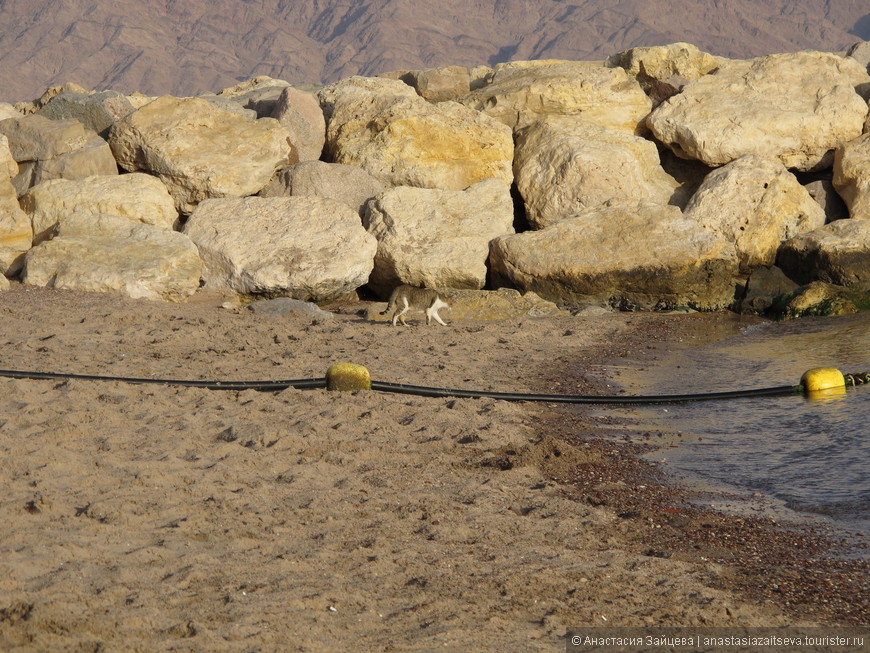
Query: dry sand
x=154, y=517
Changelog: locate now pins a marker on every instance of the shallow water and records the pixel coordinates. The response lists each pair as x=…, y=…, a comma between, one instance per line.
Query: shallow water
x=810, y=456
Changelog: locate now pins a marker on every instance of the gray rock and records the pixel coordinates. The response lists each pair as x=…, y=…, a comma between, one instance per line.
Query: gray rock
x=344, y=183
x=763, y=288
x=96, y=111
x=826, y=196
x=302, y=118
x=860, y=52
x=282, y=306
x=837, y=253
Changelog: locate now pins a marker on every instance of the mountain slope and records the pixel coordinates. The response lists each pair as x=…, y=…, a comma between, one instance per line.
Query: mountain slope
x=187, y=46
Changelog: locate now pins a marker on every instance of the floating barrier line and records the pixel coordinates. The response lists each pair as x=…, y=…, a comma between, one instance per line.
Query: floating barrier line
x=266, y=386
x=426, y=391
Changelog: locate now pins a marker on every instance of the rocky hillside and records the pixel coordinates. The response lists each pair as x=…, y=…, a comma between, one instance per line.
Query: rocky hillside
x=169, y=46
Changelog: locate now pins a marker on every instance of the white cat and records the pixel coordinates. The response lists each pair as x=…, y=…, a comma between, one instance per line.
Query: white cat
x=406, y=298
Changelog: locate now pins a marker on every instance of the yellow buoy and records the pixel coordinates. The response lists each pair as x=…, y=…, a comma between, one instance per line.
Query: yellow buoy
x=348, y=376
x=823, y=379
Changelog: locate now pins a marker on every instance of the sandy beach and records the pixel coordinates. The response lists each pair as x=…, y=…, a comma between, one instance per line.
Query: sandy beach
x=145, y=517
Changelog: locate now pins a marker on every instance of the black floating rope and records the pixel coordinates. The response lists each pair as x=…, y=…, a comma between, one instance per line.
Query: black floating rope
x=425, y=391
x=266, y=386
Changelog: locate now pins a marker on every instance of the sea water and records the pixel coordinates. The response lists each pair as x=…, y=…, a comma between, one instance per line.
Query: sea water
x=810, y=456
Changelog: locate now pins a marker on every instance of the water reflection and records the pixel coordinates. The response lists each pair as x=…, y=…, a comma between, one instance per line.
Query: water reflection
x=811, y=453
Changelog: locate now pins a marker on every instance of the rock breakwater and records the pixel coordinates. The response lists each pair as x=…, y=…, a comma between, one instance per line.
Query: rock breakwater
x=661, y=178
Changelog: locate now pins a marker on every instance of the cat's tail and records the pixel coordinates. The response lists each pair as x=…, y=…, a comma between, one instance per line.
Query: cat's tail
x=390, y=304
x=389, y=307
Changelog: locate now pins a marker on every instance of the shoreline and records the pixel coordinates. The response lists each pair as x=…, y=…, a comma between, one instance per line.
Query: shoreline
x=771, y=553
x=809, y=570
x=165, y=517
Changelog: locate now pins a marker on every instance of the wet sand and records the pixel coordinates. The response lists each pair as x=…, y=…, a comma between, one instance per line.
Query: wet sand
x=160, y=517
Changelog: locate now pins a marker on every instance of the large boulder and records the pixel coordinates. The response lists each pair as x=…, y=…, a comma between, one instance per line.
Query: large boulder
x=34, y=137
x=107, y=253
x=348, y=184
x=94, y=157
x=437, y=238
x=523, y=92
x=380, y=92
x=852, y=176
x=55, y=149
x=308, y=248
x=198, y=150
x=837, y=253
x=664, y=62
x=16, y=233
x=627, y=254
x=383, y=126
x=794, y=108
x=755, y=204
x=563, y=165
x=664, y=70
x=302, y=118
x=96, y=111
x=137, y=197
